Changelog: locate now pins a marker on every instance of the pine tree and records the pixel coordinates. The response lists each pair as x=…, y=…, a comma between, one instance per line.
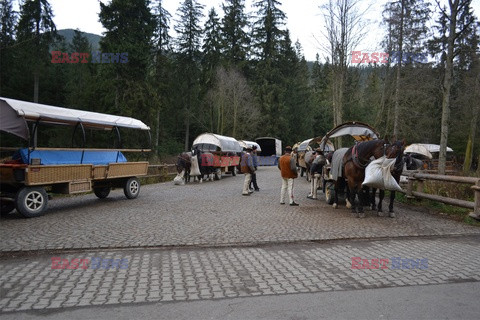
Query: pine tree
x=8, y=19
x=457, y=16
x=235, y=39
x=36, y=31
x=189, y=56
x=406, y=21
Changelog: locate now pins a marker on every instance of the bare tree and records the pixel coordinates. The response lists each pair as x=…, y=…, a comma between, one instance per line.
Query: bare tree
x=233, y=103
x=344, y=31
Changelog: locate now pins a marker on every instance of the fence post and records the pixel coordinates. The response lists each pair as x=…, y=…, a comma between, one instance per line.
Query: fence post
x=411, y=180
x=476, y=210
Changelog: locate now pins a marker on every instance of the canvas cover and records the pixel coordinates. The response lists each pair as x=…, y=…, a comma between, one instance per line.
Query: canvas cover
x=224, y=143
x=337, y=163
x=358, y=130
x=51, y=114
x=245, y=144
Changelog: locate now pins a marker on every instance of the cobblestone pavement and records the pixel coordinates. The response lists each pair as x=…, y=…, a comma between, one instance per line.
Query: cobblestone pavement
x=27, y=282
x=212, y=213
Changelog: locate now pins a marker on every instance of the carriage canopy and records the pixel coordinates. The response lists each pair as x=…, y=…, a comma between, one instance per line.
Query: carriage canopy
x=309, y=144
x=245, y=144
x=214, y=142
x=425, y=149
x=15, y=113
x=358, y=130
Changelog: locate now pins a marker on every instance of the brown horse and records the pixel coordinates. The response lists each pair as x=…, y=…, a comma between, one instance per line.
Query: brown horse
x=355, y=160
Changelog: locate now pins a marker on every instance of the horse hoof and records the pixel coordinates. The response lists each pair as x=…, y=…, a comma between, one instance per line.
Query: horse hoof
x=391, y=214
x=380, y=214
x=349, y=205
x=335, y=206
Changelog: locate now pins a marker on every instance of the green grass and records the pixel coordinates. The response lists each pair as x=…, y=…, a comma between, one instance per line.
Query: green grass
x=452, y=212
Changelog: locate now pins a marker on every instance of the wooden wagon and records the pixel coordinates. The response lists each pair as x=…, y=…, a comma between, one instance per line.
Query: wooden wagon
x=226, y=152
x=30, y=172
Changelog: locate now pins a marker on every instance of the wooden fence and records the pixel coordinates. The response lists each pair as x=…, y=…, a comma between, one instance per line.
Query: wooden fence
x=419, y=178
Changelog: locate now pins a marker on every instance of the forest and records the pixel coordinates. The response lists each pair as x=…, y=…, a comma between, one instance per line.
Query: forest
x=238, y=73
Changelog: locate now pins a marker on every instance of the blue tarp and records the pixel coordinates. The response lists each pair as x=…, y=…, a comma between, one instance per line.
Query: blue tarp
x=52, y=157
x=267, y=161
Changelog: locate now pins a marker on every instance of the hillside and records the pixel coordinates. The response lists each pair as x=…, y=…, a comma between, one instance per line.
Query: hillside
x=94, y=39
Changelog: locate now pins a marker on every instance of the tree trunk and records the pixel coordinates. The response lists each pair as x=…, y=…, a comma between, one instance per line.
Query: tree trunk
x=396, y=110
x=187, y=129
x=447, y=85
x=36, y=80
x=467, y=164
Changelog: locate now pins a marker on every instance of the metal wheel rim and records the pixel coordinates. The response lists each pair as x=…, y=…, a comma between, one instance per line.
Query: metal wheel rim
x=133, y=187
x=34, y=201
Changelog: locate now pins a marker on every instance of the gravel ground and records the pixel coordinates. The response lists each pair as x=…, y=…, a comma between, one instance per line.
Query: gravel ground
x=212, y=213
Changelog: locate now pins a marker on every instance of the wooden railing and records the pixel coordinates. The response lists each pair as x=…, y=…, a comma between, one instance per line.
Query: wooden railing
x=161, y=171
x=419, y=178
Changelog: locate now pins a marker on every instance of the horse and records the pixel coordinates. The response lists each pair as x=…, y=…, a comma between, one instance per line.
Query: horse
x=186, y=162
x=309, y=157
x=356, y=160
x=183, y=165
x=396, y=148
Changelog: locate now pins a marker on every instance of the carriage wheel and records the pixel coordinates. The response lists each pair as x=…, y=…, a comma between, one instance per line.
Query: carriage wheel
x=7, y=199
x=329, y=193
x=102, y=192
x=31, y=201
x=132, y=188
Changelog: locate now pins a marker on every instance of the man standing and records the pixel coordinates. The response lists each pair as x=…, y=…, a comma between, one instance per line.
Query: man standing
x=315, y=173
x=247, y=169
x=255, y=165
x=288, y=170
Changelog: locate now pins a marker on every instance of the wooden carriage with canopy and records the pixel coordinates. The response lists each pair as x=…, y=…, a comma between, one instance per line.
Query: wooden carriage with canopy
x=310, y=145
x=359, y=132
x=226, y=152
x=29, y=172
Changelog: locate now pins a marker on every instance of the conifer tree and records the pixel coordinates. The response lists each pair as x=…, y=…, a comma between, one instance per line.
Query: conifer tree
x=36, y=31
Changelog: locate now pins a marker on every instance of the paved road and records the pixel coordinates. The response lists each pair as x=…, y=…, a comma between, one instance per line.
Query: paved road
x=190, y=274
x=204, y=244
x=212, y=213
x=452, y=301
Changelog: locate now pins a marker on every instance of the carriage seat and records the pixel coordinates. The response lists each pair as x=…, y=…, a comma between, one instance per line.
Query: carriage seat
x=54, y=157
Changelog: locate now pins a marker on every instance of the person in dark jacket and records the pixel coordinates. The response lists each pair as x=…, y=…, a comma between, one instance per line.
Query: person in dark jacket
x=247, y=168
x=253, y=183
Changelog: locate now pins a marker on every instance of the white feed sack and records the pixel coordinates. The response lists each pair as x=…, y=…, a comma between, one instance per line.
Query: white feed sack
x=378, y=174
x=194, y=170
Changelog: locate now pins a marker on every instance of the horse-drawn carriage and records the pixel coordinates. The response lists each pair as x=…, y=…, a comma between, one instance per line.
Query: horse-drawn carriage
x=225, y=153
x=28, y=173
x=305, y=153
x=359, y=132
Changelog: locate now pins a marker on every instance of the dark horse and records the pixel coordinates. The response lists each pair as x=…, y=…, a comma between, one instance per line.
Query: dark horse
x=397, y=147
x=185, y=162
x=356, y=160
x=184, y=165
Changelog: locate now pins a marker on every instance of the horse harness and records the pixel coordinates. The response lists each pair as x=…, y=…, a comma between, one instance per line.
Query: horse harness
x=363, y=163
